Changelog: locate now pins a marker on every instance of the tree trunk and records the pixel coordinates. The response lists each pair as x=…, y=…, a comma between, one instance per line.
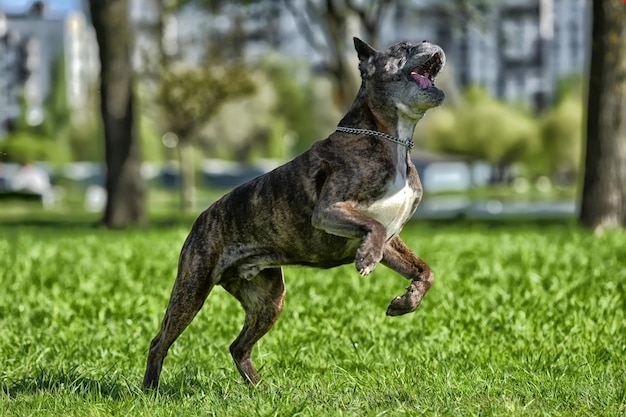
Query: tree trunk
x=345, y=83
x=187, y=176
x=126, y=193
x=602, y=204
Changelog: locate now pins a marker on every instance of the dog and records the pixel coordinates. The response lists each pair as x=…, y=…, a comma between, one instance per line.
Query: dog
x=344, y=200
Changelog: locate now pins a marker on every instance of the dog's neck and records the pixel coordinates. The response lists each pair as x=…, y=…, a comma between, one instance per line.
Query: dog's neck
x=406, y=121
x=400, y=124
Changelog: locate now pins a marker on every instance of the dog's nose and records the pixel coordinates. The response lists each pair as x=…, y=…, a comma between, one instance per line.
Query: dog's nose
x=424, y=41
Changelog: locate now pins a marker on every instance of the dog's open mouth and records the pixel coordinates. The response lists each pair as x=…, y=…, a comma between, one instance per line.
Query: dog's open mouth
x=425, y=73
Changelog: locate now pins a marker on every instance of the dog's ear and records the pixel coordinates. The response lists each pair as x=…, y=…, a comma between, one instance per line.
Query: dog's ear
x=364, y=51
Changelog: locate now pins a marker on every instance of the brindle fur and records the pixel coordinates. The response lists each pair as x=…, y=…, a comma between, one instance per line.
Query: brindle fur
x=310, y=211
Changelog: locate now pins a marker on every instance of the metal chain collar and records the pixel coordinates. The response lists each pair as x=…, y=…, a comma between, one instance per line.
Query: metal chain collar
x=408, y=143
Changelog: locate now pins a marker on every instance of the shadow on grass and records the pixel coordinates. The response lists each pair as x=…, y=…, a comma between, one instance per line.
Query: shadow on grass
x=112, y=386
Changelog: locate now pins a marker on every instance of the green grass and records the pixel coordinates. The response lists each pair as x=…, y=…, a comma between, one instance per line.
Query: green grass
x=523, y=320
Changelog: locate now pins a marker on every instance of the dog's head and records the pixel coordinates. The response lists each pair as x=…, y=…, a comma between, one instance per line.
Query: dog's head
x=403, y=75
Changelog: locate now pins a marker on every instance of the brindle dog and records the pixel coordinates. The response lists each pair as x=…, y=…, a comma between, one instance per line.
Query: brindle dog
x=344, y=200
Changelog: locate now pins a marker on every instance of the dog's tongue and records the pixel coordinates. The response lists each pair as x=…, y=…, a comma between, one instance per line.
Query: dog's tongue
x=424, y=82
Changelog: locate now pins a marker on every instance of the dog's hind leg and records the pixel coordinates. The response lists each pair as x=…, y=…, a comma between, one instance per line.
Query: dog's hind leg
x=262, y=299
x=191, y=288
x=399, y=257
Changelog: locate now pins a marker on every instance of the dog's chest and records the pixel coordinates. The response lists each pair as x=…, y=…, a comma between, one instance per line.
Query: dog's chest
x=395, y=207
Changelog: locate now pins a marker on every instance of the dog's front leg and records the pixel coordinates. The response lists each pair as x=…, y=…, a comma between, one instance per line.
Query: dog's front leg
x=399, y=257
x=342, y=219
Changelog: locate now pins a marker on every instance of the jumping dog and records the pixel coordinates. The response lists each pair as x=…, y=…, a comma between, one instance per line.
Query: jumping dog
x=344, y=200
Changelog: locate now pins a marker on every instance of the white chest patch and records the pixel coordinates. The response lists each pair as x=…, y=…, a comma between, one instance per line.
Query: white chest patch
x=394, y=208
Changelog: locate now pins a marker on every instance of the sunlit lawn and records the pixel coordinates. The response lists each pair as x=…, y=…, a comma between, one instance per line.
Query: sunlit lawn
x=522, y=320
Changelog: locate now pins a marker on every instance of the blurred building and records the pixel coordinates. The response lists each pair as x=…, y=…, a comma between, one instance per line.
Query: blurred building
x=82, y=63
x=32, y=41
x=9, y=107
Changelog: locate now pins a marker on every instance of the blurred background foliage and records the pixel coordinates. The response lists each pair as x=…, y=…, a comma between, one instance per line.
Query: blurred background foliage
x=231, y=89
x=58, y=139
x=264, y=111
x=478, y=126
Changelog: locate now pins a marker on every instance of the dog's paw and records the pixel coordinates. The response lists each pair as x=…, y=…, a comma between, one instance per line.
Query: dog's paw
x=366, y=261
x=365, y=265
x=406, y=303
x=400, y=306
x=366, y=270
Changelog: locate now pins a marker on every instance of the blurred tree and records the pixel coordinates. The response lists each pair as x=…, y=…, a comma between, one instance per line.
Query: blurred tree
x=83, y=131
x=126, y=191
x=561, y=137
x=56, y=123
x=23, y=147
x=485, y=129
x=299, y=103
x=284, y=116
x=325, y=24
x=602, y=204
x=188, y=98
x=74, y=132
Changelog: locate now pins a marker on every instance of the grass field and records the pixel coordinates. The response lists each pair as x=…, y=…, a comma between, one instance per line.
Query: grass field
x=523, y=320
